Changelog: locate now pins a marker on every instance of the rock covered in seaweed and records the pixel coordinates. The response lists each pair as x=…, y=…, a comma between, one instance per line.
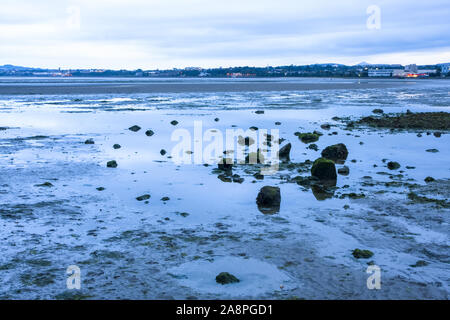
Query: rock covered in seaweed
x=269, y=200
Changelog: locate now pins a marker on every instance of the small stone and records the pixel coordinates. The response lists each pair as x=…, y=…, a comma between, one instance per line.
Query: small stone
x=163, y=152
x=379, y=111
x=259, y=111
x=45, y=184
x=216, y=119
x=117, y=146
x=111, y=164
x=174, y=122
x=362, y=254
x=432, y=150
x=165, y=199
x=100, y=188
x=344, y=171
x=226, y=278
x=429, y=179
x=420, y=263
x=307, y=137
x=134, y=128
x=313, y=146
x=149, y=133
x=278, y=123
x=326, y=126
x=89, y=141
x=143, y=197
x=437, y=134
x=392, y=165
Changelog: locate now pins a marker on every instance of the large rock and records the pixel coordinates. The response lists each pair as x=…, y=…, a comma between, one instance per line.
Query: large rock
x=324, y=170
x=336, y=152
x=269, y=200
x=226, y=278
x=284, y=152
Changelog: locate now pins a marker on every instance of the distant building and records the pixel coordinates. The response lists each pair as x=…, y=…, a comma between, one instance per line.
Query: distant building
x=411, y=68
x=380, y=72
x=445, y=68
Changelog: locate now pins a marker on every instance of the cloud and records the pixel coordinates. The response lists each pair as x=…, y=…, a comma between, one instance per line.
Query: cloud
x=178, y=33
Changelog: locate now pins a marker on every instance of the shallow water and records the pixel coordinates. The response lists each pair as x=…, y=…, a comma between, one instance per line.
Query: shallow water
x=172, y=249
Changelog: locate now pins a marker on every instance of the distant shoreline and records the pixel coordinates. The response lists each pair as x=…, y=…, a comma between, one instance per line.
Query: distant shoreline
x=54, y=88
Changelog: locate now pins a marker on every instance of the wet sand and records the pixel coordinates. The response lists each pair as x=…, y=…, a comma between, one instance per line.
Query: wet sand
x=125, y=87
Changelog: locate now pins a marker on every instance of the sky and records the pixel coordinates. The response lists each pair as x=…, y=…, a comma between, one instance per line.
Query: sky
x=165, y=34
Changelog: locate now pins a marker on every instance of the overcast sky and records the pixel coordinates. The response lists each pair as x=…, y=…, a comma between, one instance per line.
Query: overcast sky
x=152, y=34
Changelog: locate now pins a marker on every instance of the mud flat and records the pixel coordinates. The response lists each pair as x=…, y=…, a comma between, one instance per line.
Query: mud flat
x=129, y=87
x=147, y=228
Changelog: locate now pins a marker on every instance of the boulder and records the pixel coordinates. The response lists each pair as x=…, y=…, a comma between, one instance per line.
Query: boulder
x=392, y=165
x=337, y=152
x=344, y=171
x=283, y=153
x=324, y=170
x=269, y=200
x=362, y=254
x=111, y=164
x=307, y=137
x=143, y=197
x=134, y=128
x=226, y=278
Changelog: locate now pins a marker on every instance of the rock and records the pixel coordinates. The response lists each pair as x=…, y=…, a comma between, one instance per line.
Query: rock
x=325, y=126
x=163, y=152
x=362, y=254
x=134, y=128
x=269, y=200
x=307, y=137
x=149, y=133
x=247, y=141
x=100, y=189
x=344, y=171
x=392, y=165
x=165, y=199
x=224, y=178
x=143, y=197
x=89, y=141
x=226, y=278
x=419, y=263
x=313, y=146
x=437, y=134
x=379, y=111
x=237, y=178
x=259, y=111
x=277, y=123
x=111, y=164
x=117, y=146
x=45, y=184
x=432, y=150
x=216, y=119
x=253, y=128
x=337, y=152
x=174, y=122
x=258, y=176
x=321, y=192
x=254, y=157
x=283, y=153
x=324, y=170
x=429, y=179
x=225, y=165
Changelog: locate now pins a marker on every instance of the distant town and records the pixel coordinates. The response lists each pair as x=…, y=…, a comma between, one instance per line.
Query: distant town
x=314, y=70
